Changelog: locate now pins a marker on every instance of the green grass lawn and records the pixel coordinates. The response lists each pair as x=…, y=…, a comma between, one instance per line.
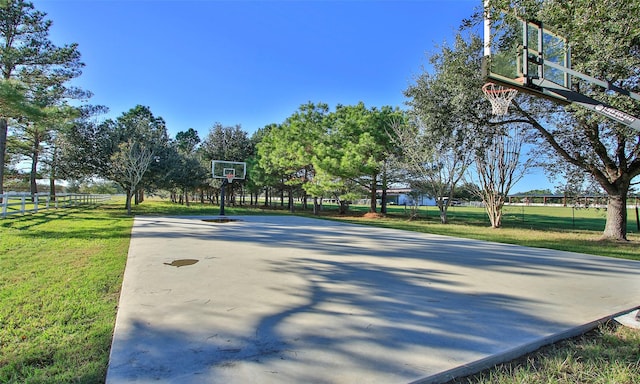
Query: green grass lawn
x=558, y=228
x=61, y=276
x=61, y=272
x=609, y=354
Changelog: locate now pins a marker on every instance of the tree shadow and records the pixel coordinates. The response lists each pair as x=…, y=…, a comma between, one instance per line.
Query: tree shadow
x=368, y=304
x=29, y=220
x=29, y=226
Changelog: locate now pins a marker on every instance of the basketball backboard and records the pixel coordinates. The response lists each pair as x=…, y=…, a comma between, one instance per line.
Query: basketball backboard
x=222, y=169
x=523, y=55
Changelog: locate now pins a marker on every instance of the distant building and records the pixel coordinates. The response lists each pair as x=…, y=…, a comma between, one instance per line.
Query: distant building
x=404, y=196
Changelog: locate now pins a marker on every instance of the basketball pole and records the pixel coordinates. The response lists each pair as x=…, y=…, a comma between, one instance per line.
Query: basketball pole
x=225, y=182
x=487, y=30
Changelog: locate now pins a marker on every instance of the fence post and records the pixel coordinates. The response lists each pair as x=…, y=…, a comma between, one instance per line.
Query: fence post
x=5, y=204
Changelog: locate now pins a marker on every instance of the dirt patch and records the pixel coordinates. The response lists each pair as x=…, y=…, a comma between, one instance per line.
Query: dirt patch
x=372, y=215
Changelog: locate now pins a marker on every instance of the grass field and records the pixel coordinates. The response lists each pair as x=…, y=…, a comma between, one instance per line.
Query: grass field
x=61, y=277
x=609, y=354
x=560, y=228
x=61, y=272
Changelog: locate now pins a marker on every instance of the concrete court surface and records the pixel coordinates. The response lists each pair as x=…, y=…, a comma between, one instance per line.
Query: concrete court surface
x=281, y=299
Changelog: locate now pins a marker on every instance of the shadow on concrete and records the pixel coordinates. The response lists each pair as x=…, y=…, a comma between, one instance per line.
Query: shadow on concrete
x=375, y=305
x=338, y=238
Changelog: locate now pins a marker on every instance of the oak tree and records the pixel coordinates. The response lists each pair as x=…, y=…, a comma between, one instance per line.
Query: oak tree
x=605, y=44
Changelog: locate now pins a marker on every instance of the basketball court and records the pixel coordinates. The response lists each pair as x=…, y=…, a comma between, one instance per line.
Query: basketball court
x=282, y=299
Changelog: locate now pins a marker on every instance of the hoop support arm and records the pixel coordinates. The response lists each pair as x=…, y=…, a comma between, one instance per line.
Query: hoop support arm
x=591, y=104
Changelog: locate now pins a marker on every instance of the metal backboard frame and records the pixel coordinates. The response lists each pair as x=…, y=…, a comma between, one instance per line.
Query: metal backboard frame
x=522, y=54
x=220, y=169
x=525, y=56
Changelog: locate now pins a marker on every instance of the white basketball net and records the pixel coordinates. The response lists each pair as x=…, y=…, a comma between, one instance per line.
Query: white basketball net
x=499, y=96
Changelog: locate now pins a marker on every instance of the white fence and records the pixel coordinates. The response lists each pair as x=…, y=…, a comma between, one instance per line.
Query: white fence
x=21, y=203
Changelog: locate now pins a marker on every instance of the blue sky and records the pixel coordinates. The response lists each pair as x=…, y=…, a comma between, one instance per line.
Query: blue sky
x=251, y=63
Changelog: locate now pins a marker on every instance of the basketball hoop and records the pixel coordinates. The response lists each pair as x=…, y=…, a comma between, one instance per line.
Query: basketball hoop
x=230, y=177
x=499, y=96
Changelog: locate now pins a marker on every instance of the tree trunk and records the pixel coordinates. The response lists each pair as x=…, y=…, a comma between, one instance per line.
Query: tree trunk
x=304, y=192
x=32, y=178
x=494, y=211
x=442, y=207
x=291, y=205
x=374, y=194
x=616, y=227
x=52, y=188
x=282, y=197
x=128, y=201
x=3, y=150
x=34, y=164
x=344, y=207
x=52, y=175
x=496, y=217
x=383, y=201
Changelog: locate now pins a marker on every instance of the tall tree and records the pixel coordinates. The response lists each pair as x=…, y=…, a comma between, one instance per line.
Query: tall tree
x=85, y=146
x=140, y=125
x=448, y=118
x=229, y=143
x=187, y=141
x=118, y=150
x=385, y=150
x=34, y=139
x=357, y=147
x=605, y=44
x=434, y=164
x=498, y=168
x=304, y=130
x=259, y=168
x=128, y=166
x=26, y=53
x=187, y=170
x=142, y=142
x=288, y=149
